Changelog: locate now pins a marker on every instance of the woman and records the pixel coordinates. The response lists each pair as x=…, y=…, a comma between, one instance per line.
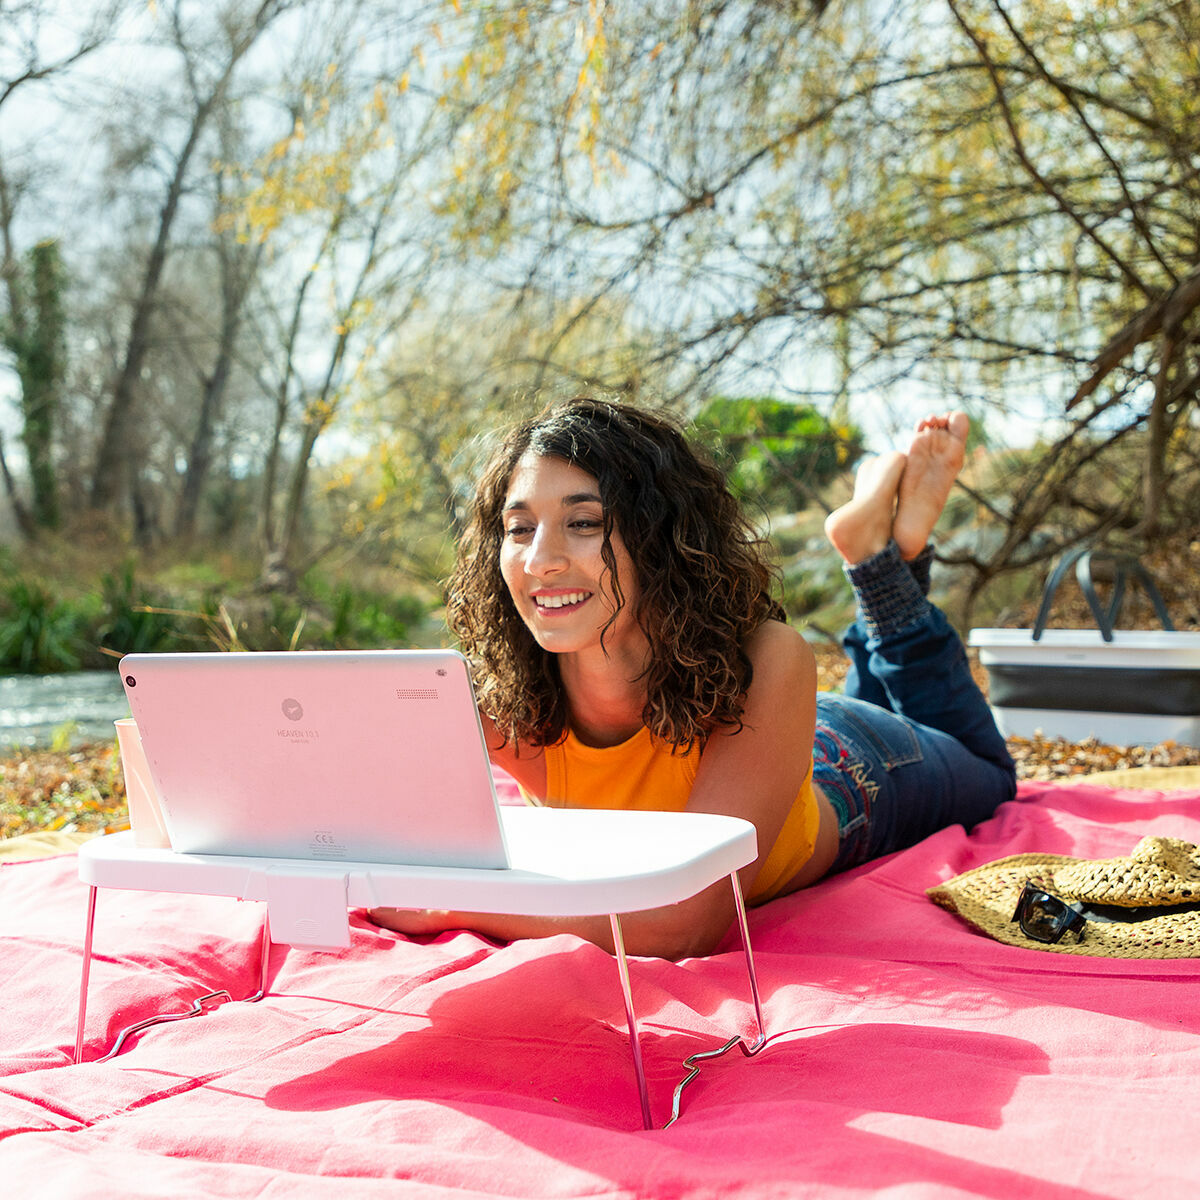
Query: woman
x=628, y=654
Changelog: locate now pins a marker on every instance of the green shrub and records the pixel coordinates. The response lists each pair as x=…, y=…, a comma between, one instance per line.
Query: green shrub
x=38, y=634
x=132, y=620
x=777, y=454
x=359, y=618
x=362, y=620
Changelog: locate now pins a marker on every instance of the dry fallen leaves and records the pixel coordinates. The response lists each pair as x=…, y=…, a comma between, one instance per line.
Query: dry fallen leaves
x=80, y=789
x=1055, y=758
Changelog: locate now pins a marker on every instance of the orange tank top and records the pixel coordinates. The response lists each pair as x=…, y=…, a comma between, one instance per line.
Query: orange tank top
x=642, y=773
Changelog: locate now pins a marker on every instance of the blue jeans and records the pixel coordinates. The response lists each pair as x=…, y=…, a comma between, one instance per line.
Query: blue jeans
x=911, y=746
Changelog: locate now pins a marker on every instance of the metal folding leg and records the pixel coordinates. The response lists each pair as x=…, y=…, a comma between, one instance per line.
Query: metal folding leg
x=744, y=929
x=87, y=969
x=199, y=1005
x=693, y=1061
x=634, y=1044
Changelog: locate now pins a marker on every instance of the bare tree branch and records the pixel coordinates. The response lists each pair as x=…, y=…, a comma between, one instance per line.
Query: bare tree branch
x=1018, y=144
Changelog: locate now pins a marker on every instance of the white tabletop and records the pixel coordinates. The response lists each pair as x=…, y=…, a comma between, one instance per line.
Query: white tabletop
x=563, y=862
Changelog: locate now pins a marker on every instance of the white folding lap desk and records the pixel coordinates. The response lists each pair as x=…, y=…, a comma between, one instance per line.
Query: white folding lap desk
x=563, y=862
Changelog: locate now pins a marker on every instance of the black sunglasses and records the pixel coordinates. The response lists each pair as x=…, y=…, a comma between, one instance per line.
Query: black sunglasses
x=1045, y=918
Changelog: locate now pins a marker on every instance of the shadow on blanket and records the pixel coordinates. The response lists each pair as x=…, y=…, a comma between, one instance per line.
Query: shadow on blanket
x=863, y=1068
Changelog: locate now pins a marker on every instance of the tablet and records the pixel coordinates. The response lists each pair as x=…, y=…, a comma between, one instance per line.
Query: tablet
x=363, y=755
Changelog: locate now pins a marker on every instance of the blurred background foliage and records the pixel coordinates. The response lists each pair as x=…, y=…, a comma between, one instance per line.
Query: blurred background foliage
x=269, y=269
x=778, y=455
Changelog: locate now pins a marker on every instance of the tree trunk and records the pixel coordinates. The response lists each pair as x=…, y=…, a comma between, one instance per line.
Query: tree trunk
x=1154, y=478
x=278, y=559
x=42, y=369
x=234, y=288
x=111, y=476
x=24, y=520
x=270, y=526
x=200, y=453
x=321, y=412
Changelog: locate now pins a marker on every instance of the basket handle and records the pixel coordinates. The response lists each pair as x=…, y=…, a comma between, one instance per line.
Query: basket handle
x=1124, y=567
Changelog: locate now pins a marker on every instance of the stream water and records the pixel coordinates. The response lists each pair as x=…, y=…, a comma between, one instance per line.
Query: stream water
x=34, y=707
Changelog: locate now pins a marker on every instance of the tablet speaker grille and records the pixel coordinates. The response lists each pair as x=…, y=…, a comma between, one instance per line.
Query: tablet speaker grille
x=416, y=693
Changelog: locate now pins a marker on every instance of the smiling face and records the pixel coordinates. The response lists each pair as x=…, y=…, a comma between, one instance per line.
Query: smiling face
x=551, y=560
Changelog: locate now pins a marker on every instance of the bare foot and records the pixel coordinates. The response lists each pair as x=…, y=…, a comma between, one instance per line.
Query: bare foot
x=934, y=460
x=863, y=525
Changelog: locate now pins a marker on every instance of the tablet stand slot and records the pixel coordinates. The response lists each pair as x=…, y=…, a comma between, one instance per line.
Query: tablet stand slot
x=307, y=909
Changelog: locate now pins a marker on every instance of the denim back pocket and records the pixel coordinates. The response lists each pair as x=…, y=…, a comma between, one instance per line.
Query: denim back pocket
x=873, y=734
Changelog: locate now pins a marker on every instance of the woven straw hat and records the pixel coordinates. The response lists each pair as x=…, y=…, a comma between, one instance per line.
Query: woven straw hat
x=1160, y=871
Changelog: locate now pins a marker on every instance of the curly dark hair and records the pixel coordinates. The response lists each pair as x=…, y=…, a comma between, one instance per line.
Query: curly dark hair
x=703, y=574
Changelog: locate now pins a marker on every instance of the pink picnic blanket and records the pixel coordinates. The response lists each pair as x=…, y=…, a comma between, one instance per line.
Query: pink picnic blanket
x=909, y=1056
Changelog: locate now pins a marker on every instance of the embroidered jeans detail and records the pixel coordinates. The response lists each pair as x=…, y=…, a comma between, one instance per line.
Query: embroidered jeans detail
x=850, y=759
x=846, y=784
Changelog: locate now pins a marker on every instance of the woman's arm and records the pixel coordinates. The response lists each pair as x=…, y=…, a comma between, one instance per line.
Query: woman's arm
x=754, y=773
x=528, y=769
x=678, y=931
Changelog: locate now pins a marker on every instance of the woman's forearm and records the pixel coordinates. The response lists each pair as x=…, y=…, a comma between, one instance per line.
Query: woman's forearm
x=693, y=927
